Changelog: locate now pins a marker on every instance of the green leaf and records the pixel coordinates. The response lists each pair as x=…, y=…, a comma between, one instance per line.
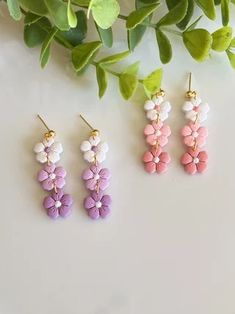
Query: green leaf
x=138, y=16
x=105, y=12
x=83, y=54
x=194, y=24
x=35, y=6
x=152, y=83
x=143, y=3
x=34, y=35
x=135, y=35
x=83, y=3
x=106, y=36
x=225, y=11
x=231, y=57
x=198, y=42
x=183, y=24
x=76, y=35
x=14, y=9
x=208, y=7
x=58, y=12
x=101, y=77
x=45, y=51
x=72, y=18
x=164, y=45
x=175, y=15
x=232, y=44
x=133, y=68
x=127, y=84
x=217, y=2
x=222, y=38
x=114, y=58
x=31, y=18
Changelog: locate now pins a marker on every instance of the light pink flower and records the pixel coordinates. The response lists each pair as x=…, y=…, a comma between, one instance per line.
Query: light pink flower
x=52, y=177
x=194, y=161
x=96, y=176
x=157, y=133
x=156, y=160
x=194, y=134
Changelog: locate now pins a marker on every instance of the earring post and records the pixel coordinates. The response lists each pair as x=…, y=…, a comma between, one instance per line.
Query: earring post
x=43, y=122
x=87, y=123
x=190, y=81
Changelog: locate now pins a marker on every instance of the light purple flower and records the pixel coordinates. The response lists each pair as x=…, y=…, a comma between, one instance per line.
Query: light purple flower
x=58, y=204
x=96, y=176
x=52, y=177
x=97, y=205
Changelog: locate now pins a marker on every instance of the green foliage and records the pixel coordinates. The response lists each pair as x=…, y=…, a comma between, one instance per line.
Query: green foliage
x=65, y=22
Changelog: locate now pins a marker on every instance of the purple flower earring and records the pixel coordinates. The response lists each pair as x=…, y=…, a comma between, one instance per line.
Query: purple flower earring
x=96, y=177
x=52, y=177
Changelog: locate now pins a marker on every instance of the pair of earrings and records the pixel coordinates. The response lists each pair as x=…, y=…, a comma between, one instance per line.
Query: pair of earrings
x=194, y=160
x=53, y=177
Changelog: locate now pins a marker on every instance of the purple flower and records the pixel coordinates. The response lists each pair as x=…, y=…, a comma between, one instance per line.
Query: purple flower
x=97, y=205
x=58, y=204
x=96, y=176
x=52, y=177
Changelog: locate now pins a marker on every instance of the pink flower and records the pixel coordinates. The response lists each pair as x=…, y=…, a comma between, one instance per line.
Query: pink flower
x=157, y=133
x=52, y=177
x=194, y=134
x=194, y=161
x=96, y=176
x=156, y=160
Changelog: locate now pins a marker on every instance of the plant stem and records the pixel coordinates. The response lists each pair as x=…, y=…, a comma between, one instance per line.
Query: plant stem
x=172, y=31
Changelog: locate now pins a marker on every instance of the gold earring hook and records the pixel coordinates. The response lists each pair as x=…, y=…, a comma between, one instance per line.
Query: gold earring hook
x=190, y=93
x=94, y=132
x=50, y=132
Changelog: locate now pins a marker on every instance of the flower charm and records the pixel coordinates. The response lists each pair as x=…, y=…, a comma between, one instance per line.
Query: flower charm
x=48, y=151
x=97, y=205
x=58, y=204
x=194, y=161
x=157, y=133
x=94, y=150
x=52, y=177
x=156, y=160
x=157, y=108
x=194, y=134
x=96, y=176
x=195, y=110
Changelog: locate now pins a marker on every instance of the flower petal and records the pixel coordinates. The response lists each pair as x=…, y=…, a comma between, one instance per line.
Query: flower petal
x=94, y=140
x=203, y=131
x=166, y=130
x=163, y=115
x=186, y=131
x=97, y=195
x=89, y=156
x=149, y=105
x=65, y=211
x=205, y=108
x=151, y=139
x=203, y=156
x=91, y=184
x=41, y=157
x=165, y=157
x=189, y=141
x=57, y=147
x=103, y=147
x=162, y=140
x=187, y=106
x=66, y=200
x=202, y=116
x=89, y=202
x=39, y=147
x=165, y=106
x=152, y=115
x=100, y=156
x=157, y=100
x=60, y=182
x=42, y=175
x=53, y=212
x=148, y=156
x=150, y=167
x=186, y=159
x=191, y=115
x=161, y=167
x=85, y=146
x=60, y=172
x=48, y=184
x=149, y=130
x=106, y=200
x=104, y=211
x=103, y=184
x=196, y=101
x=53, y=157
x=87, y=174
x=200, y=141
x=47, y=142
x=201, y=166
x=93, y=213
x=105, y=173
x=48, y=202
x=50, y=168
x=190, y=168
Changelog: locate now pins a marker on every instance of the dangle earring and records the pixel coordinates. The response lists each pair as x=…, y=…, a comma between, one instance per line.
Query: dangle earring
x=51, y=177
x=157, y=133
x=96, y=177
x=194, y=135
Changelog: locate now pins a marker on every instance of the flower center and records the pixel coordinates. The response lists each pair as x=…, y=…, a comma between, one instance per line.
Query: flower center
x=52, y=176
x=96, y=177
x=195, y=134
x=158, y=108
x=196, y=108
x=98, y=204
x=158, y=133
x=156, y=160
x=94, y=149
x=58, y=204
x=196, y=160
x=47, y=149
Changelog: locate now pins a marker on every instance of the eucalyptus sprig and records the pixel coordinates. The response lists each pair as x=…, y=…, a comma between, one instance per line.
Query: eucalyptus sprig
x=65, y=22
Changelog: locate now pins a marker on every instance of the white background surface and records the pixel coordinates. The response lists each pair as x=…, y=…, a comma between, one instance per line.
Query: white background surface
x=168, y=247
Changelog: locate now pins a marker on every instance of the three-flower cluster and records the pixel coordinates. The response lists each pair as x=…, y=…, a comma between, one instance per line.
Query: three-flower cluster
x=96, y=177
x=156, y=134
x=52, y=178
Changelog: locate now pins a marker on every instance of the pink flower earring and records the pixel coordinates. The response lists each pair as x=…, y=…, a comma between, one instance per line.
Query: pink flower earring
x=156, y=134
x=96, y=178
x=194, y=134
x=52, y=177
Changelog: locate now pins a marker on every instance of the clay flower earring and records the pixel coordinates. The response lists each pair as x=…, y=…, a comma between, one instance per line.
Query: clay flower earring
x=52, y=177
x=194, y=134
x=156, y=133
x=96, y=178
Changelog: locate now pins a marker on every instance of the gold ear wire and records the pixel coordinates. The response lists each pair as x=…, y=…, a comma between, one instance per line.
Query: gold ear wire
x=190, y=93
x=94, y=132
x=50, y=132
x=161, y=93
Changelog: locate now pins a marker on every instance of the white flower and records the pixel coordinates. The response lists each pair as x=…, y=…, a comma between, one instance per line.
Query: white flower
x=48, y=151
x=157, y=108
x=94, y=149
x=195, y=110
